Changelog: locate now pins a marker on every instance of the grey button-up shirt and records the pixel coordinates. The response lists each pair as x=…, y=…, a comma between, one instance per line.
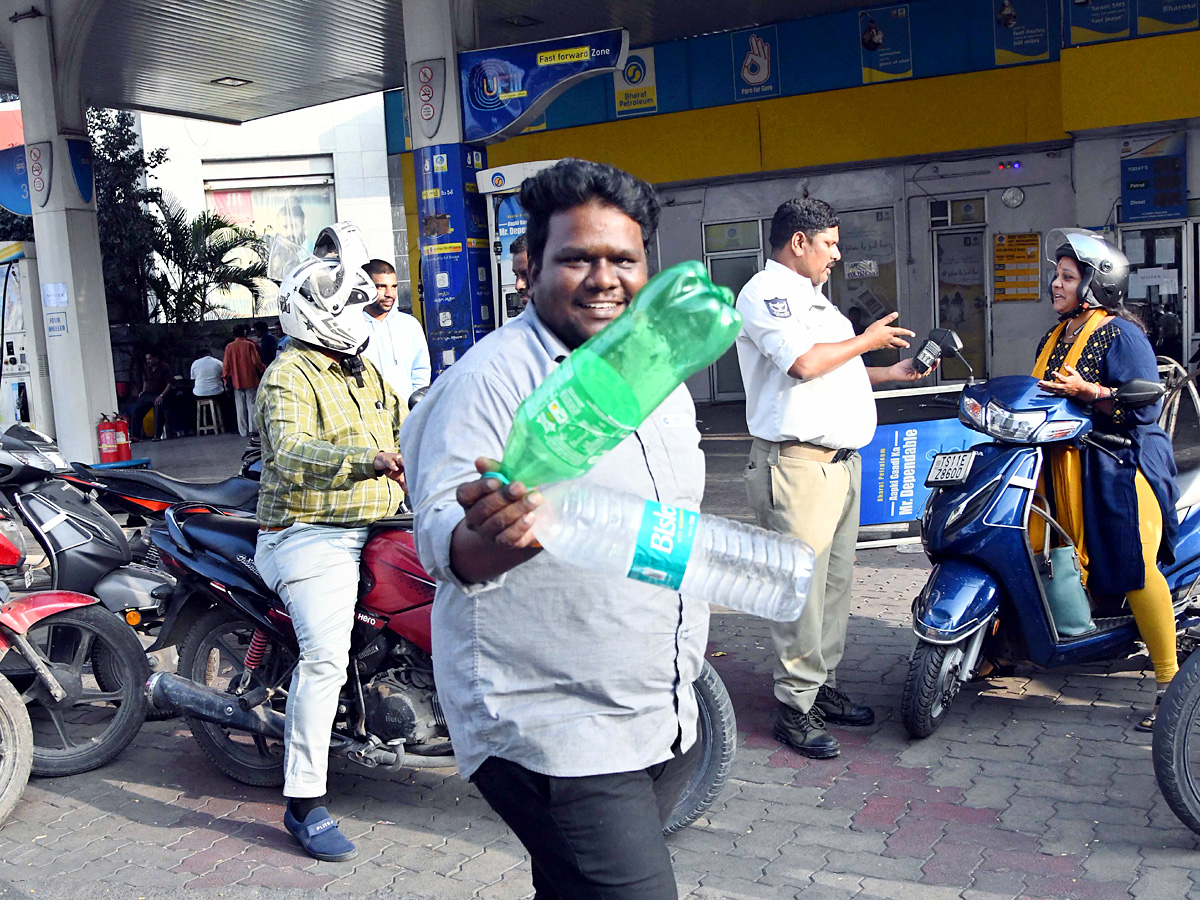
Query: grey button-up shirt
x=560, y=670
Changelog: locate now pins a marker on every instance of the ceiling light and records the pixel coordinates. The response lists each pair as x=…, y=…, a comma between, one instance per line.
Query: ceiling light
x=521, y=21
x=230, y=81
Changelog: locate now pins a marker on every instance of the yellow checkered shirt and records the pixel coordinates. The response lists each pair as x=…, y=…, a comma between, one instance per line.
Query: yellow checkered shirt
x=320, y=433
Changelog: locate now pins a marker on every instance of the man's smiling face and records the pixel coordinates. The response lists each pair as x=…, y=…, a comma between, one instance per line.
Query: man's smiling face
x=593, y=264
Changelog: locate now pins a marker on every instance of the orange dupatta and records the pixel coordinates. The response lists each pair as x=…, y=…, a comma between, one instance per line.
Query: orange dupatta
x=1066, y=468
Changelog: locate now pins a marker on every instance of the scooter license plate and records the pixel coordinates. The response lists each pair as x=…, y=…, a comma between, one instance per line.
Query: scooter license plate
x=950, y=468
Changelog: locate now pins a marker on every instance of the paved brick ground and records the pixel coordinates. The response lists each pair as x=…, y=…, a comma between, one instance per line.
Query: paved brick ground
x=1035, y=787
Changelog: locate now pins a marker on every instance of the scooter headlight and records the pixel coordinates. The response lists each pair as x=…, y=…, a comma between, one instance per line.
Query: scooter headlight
x=36, y=460
x=1008, y=425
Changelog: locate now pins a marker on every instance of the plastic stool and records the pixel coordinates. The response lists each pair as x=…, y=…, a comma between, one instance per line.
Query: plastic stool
x=208, y=416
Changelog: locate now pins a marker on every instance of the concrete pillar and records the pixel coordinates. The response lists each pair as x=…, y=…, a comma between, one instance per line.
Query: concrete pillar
x=47, y=55
x=451, y=215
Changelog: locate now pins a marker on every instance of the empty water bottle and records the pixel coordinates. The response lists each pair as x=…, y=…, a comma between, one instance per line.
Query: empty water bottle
x=728, y=563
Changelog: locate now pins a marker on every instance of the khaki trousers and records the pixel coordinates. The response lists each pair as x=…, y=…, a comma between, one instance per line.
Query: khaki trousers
x=817, y=503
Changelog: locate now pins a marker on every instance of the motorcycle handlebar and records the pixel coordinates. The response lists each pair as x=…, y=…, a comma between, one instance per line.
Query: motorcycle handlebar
x=1114, y=441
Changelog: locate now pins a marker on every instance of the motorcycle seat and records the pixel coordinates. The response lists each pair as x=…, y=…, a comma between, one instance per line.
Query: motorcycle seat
x=147, y=484
x=232, y=538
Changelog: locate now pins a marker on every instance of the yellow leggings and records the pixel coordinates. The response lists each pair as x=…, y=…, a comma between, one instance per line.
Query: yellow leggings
x=1151, y=606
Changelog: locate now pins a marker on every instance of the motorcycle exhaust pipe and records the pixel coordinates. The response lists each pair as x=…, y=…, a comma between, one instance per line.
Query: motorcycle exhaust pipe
x=165, y=691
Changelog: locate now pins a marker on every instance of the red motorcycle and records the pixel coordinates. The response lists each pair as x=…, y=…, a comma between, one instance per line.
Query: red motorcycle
x=70, y=698
x=235, y=664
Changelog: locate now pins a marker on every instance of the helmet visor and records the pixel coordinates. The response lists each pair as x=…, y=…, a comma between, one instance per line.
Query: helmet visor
x=1089, y=247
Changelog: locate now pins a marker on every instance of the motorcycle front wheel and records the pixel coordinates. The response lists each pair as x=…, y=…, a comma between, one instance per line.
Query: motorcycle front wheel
x=16, y=747
x=214, y=654
x=1177, y=744
x=717, y=736
x=103, y=711
x=934, y=673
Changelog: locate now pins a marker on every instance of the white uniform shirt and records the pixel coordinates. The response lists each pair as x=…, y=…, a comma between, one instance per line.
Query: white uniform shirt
x=399, y=351
x=783, y=316
x=206, y=373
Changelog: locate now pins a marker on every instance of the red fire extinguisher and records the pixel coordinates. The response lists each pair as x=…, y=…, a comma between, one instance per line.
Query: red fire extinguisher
x=124, y=452
x=107, y=431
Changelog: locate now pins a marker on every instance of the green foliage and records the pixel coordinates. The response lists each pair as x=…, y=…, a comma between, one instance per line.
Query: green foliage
x=200, y=260
x=128, y=229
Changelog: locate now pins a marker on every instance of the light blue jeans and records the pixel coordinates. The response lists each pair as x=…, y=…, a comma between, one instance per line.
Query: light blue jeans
x=314, y=569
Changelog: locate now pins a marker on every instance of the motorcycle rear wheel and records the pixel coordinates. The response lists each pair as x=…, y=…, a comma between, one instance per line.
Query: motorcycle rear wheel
x=95, y=721
x=931, y=686
x=1177, y=744
x=717, y=735
x=16, y=747
x=213, y=654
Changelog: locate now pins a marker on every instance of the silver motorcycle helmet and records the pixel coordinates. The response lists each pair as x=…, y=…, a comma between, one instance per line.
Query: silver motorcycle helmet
x=1103, y=269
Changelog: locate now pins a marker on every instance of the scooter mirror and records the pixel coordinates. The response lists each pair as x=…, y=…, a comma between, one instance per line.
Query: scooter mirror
x=1140, y=392
x=949, y=340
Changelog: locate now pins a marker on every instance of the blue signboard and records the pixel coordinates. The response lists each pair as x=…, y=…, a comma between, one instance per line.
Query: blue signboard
x=506, y=89
x=14, y=182
x=1022, y=31
x=1098, y=20
x=1160, y=16
x=1154, y=179
x=510, y=224
x=455, y=269
x=80, y=152
x=896, y=463
x=756, y=61
x=885, y=43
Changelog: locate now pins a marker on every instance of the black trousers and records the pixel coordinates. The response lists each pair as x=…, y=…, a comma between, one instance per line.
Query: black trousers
x=598, y=837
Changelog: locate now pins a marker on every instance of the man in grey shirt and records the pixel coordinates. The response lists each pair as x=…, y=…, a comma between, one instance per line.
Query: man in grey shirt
x=568, y=694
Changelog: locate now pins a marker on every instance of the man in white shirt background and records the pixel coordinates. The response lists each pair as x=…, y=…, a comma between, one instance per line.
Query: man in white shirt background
x=397, y=346
x=206, y=376
x=809, y=407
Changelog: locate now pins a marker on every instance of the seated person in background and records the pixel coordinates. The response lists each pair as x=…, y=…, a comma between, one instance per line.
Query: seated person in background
x=157, y=381
x=206, y=375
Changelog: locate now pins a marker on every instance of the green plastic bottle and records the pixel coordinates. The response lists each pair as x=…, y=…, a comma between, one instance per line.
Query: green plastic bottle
x=678, y=324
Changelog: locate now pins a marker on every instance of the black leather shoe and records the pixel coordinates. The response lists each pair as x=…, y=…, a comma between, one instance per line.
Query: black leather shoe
x=839, y=709
x=805, y=733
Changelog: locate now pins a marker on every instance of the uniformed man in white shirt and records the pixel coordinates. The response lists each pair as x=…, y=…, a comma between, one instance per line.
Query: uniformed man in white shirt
x=809, y=408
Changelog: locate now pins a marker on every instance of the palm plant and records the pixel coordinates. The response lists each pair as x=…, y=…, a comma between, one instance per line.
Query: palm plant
x=201, y=260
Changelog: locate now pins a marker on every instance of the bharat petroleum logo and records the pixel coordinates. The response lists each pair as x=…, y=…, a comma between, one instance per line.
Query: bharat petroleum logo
x=498, y=180
x=634, y=71
x=492, y=83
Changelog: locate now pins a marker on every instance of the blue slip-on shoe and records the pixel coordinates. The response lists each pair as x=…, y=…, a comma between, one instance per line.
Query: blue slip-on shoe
x=318, y=834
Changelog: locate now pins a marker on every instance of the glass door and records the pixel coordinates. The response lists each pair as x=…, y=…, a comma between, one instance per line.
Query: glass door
x=1156, y=281
x=961, y=298
x=731, y=271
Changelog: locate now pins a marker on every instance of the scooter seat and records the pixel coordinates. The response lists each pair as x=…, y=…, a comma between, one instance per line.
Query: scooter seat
x=1189, y=488
x=146, y=484
x=232, y=538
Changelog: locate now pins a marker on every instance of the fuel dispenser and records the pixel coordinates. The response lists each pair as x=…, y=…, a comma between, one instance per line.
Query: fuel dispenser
x=506, y=222
x=24, y=369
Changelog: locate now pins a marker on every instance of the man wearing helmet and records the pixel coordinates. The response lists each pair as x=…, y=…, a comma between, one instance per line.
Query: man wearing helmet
x=1127, y=520
x=330, y=429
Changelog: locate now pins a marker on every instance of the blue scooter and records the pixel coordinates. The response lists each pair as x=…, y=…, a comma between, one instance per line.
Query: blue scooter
x=984, y=597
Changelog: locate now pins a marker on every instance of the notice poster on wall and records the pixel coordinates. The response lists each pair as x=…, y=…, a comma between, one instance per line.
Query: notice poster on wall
x=755, y=63
x=1016, y=267
x=896, y=462
x=1162, y=16
x=885, y=43
x=635, y=86
x=1099, y=20
x=1022, y=31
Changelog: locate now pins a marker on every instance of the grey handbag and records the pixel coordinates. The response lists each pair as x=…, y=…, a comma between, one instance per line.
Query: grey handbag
x=1061, y=575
